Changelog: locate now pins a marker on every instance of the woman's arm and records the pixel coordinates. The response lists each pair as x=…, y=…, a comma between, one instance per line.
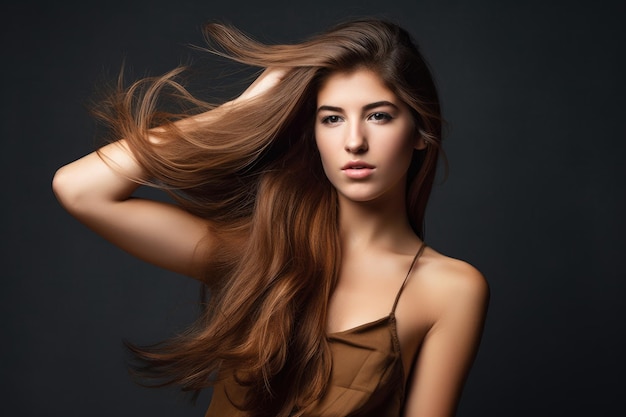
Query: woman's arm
x=98, y=193
x=460, y=300
x=97, y=190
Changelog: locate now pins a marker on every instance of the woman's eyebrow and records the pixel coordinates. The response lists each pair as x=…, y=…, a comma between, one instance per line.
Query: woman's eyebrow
x=330, y=108
x=369, y=106
x=379, y=104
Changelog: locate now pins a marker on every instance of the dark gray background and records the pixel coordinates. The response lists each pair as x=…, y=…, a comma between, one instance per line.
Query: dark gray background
x=534, y=94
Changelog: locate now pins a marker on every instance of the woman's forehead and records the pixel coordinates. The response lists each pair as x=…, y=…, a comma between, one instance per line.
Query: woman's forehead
x=349, y=87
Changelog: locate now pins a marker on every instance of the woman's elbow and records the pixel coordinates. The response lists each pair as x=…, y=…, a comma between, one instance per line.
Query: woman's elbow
x=67, y=189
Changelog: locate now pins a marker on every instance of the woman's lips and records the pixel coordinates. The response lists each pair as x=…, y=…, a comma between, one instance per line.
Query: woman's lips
x=358, y=169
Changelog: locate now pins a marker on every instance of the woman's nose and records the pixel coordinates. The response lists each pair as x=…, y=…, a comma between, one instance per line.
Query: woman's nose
x=356, y=141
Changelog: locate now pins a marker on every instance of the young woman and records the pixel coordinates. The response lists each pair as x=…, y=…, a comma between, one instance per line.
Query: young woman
x=301, y=205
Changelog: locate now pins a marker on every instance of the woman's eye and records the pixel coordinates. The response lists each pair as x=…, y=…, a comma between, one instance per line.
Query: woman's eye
x=331, y=120
x=380, y=117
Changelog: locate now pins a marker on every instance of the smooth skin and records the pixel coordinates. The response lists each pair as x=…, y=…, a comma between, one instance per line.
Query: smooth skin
x=442, y=309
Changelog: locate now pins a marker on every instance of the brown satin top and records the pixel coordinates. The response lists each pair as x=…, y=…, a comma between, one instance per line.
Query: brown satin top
x=367, y=377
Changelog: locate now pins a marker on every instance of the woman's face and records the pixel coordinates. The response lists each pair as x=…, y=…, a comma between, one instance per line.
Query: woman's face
x=365, y=136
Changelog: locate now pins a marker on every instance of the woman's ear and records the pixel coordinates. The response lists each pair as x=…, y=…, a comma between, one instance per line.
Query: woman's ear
x=420, y=143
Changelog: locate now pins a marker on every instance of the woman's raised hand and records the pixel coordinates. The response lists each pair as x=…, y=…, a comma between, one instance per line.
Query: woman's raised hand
x=265, y=82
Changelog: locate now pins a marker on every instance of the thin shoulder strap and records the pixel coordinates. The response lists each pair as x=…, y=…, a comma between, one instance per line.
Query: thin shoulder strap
x=408, y=274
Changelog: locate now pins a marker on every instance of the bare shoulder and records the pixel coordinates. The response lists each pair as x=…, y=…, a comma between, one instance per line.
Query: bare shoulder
x=448, y=282
x=452, y=298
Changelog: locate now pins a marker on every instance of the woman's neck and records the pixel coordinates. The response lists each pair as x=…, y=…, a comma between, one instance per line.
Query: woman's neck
x=375, y=225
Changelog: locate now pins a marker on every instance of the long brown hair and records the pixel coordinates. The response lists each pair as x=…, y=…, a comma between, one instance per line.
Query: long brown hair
x=255, y=173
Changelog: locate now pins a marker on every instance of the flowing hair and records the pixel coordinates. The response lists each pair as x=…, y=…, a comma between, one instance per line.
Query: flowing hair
x=254, y=172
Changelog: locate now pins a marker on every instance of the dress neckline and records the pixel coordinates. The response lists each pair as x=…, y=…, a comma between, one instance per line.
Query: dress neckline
x=363, y=326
